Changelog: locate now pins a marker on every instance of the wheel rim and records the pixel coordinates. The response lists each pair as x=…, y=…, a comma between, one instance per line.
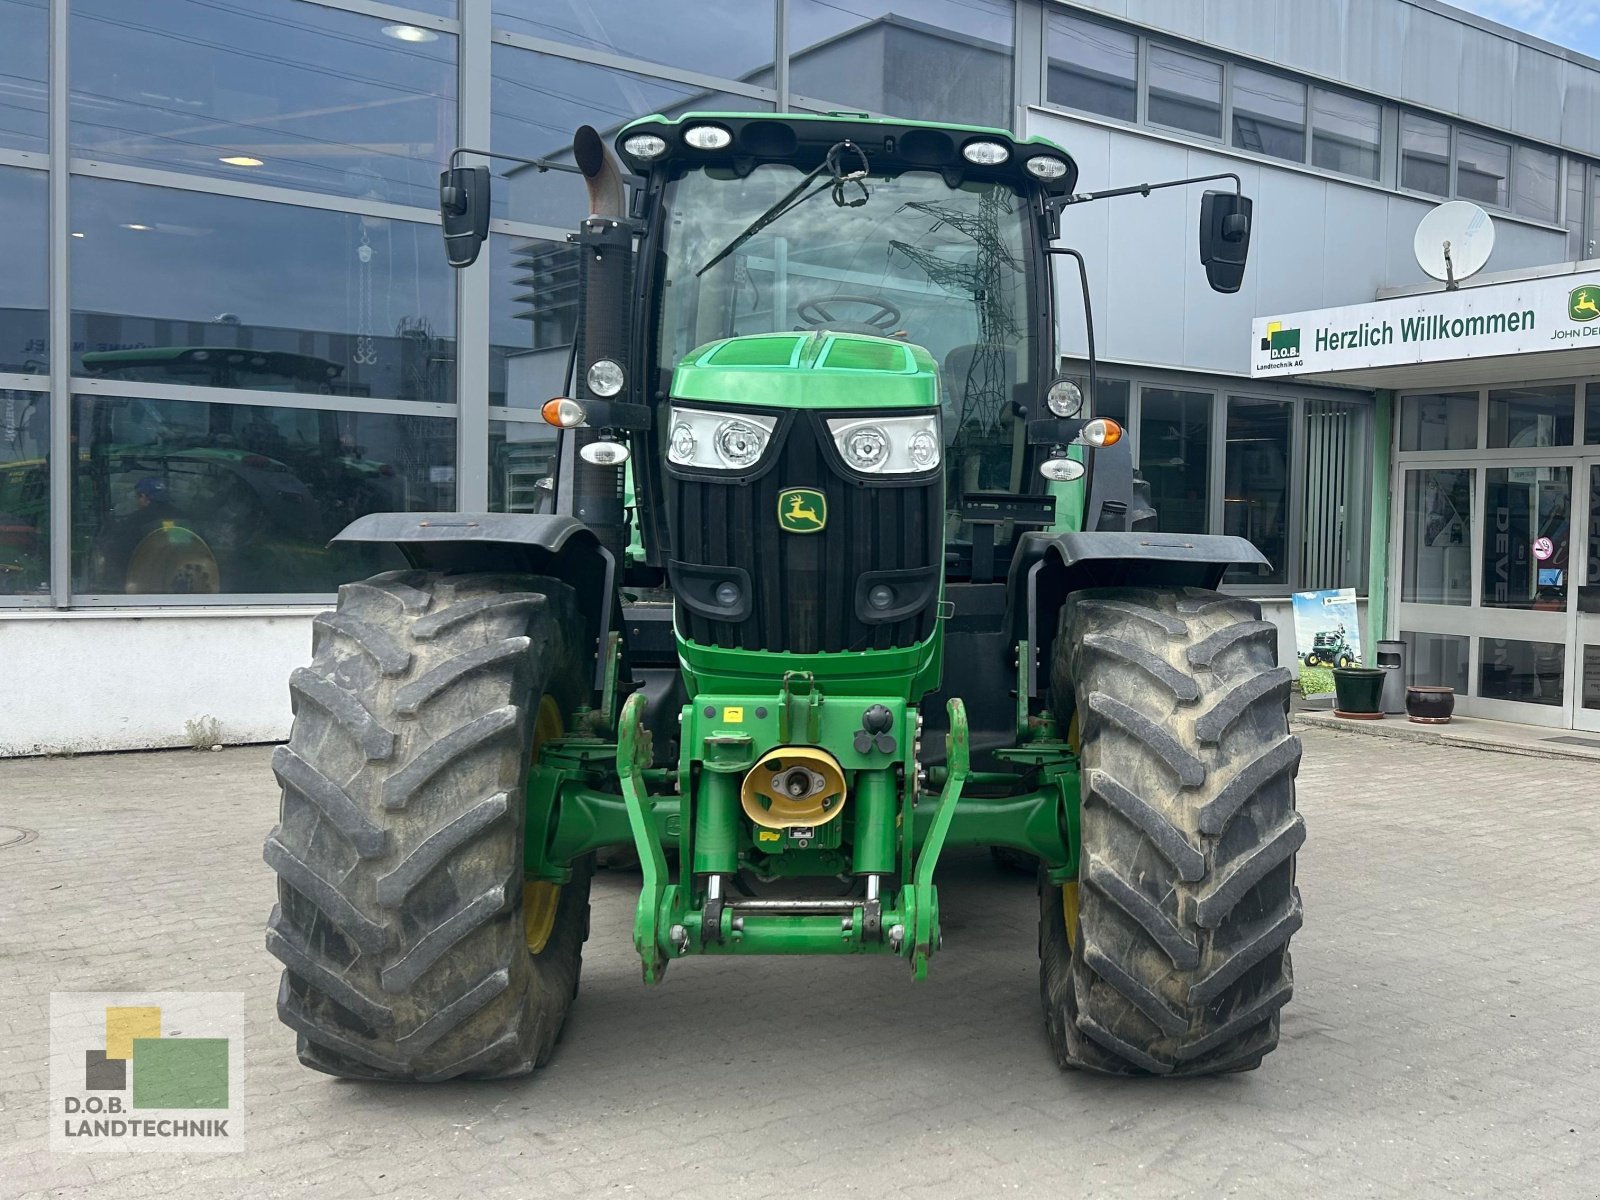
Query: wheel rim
x=172, y=560
x=540, y=898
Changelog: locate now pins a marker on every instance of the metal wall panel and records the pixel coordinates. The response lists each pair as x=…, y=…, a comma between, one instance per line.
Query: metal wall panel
x=1395, y=50
x=1317, y=243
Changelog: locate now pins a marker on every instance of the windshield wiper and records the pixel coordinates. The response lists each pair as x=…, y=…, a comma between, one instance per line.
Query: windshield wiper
x=792, y=199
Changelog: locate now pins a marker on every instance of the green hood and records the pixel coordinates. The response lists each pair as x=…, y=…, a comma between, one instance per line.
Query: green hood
x=810, y=370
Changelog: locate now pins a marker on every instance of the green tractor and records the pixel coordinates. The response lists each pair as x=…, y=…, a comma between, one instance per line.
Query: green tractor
x=1331, y=648
x=891, y=589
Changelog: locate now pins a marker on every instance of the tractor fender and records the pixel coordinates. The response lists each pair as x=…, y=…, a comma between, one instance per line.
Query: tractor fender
x=516, y=543
x=1048, y=567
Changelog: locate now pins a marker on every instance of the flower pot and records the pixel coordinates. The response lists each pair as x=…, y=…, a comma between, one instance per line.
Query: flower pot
x=1430, y=705
x=1358, y=692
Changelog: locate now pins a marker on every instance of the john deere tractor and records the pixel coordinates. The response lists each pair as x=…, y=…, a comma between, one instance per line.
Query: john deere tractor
x=883, y=585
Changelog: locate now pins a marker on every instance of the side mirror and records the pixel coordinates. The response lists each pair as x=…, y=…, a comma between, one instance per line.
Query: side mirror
x=464, y=210
x=1224, y=238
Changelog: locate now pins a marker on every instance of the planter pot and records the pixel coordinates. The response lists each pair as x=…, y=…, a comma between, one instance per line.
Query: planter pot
x=1358, y=692
x=1430, y=705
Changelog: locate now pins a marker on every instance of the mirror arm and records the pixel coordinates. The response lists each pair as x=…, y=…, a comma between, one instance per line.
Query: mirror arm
x=539, y=164
x=1142, y=189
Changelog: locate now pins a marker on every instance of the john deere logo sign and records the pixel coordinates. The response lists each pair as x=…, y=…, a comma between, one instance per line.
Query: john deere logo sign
x=1281, y=342
x=802, y=510
x=1584, y=304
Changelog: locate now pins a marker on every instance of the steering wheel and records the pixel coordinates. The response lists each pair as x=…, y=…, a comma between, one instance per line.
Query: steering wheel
x=817, y=313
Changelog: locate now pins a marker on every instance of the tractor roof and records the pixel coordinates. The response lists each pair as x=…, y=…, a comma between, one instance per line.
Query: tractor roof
x=803, y=139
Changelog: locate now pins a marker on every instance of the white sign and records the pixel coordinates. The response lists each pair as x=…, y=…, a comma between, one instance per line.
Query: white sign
x=1524, y=317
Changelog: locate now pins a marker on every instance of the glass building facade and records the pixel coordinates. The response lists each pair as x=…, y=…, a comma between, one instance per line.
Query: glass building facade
x=227, y=327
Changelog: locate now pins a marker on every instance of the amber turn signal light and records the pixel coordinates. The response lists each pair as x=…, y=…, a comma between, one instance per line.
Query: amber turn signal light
x=1101, y=432
x=562, y=413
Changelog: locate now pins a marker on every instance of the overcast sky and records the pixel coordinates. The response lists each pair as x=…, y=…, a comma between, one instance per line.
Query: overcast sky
x=1574, y=23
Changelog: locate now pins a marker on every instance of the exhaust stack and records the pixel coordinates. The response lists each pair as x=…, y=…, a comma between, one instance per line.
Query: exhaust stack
x=605, y=310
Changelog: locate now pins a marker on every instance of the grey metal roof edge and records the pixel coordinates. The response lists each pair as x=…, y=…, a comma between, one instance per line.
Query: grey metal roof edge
x=1440, y=8
x=1396, y=291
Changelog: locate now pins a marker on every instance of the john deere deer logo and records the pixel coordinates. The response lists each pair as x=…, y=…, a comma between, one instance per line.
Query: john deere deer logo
x=1584, y=304
x=802, y=510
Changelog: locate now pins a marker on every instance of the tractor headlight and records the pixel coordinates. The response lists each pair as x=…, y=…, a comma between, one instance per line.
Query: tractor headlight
x=1064, y=398
x=708, y=137
x=1043, y=166
x=717, y=441
x=605, y=378
x=645, y=146
x=888, y=445
x=986, y=154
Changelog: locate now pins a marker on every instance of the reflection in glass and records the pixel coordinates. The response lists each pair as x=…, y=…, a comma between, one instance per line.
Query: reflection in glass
x=1346, y=134
x=24, y=493
x=1520, y=418
x=537, y=101
x=1437, y=567
x=182, y=287
x=275, y=91
x=1538, y=175
x=178, y=497
x=1527, y=537
x=1175, y=456
x=939, y=60
x=1577, y=244
x=24, y=68
x=1269, y=114
x=1093, y=67
x=1591, y=414
x=1591, y=677
x=1255, y=498
x=1424, y=155
x=731, y=38
x=1528, y=672
x=1437, y=660
x=24, y=270
x=1185, y=92
x=522, y=467
x=533, y=314
x=1439, y=421
x=1483, y=169
x=1110, y=398
x=945, y=266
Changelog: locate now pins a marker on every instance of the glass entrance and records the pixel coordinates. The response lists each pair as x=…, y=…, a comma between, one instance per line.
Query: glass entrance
x=1586, y=586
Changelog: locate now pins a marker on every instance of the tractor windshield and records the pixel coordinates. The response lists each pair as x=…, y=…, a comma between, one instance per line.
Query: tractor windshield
x=946, y=268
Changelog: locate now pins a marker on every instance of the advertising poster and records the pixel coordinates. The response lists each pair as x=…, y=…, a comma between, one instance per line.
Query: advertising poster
x=1326, y=635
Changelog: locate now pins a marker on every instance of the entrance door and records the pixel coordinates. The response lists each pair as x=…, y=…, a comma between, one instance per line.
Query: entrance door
x=1586, y=567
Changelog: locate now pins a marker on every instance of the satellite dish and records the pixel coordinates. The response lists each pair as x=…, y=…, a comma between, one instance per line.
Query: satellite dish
x=1454, y=241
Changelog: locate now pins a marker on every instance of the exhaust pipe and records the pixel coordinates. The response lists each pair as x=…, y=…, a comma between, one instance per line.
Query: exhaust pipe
x=601, y=175
x=605, y=311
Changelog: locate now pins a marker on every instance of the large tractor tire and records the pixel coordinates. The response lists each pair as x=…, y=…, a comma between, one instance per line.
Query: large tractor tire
x=413, y=949
x=1170, y=956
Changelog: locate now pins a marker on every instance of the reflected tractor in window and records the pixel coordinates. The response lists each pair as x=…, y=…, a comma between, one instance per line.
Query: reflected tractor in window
x=838, y=575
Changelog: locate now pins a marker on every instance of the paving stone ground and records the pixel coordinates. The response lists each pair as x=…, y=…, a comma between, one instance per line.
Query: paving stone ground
x=1444, y=1038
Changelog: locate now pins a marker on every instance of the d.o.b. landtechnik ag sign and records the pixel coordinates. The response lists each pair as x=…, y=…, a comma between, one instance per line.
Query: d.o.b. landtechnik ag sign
x=1527, y=316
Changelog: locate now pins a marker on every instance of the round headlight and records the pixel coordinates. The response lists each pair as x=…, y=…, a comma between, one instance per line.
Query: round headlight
x=985, y=154
x=866, y=448
x=1061, y=470
x=727, y=593
x=604, y=454
x=683, y=443
x=1064, y=398
x=1042, y=166
x=738, y=443
x=645, y=146
x=605, y=378
x=708, y=137
x=923, y=449
x=881, y=596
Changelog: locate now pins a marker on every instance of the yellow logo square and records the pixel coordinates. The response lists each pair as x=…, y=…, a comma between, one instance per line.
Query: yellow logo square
x=733, y=714
x=125, y=1024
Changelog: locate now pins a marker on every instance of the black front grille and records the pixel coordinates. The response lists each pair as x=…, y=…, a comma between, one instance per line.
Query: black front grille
x=805, y=588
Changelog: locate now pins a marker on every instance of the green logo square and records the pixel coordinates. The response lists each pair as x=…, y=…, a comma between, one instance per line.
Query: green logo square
x=176, y=1072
